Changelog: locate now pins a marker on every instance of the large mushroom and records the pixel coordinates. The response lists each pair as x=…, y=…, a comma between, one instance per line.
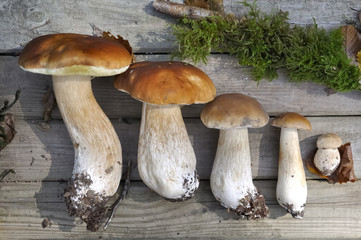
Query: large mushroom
x=231, y=176
x=291, y=189
x=72, y=60
x=166, y=159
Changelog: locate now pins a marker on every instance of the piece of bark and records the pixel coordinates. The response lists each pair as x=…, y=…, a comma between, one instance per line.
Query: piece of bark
x=7, y=130
x=182, y=10
x=343, y=173
x=198, y=3
x=352, y=42
x=48, y=104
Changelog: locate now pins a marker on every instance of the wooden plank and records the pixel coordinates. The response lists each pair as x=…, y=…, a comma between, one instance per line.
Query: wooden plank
x=145, y=28
x=38, y=154
x=276, y=96
x=332, y=212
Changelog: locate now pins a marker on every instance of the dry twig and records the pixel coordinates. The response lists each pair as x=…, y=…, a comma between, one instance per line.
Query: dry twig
x=6, y=172
x=122, y=196
x=181, y=10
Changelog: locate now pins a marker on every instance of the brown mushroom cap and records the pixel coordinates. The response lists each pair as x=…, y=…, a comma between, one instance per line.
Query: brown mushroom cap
x=329, y=140
x=291, y=120
x=234, y=110
x=167, y=82
x=74, y=54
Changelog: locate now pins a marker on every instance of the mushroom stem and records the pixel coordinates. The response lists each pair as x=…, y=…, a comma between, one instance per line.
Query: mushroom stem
x=291, y=184
x=98, y=156
x=166, y=159
x=231, y=177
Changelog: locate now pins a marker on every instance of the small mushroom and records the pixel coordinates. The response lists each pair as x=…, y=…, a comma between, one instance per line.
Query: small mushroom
x=291, y=190
x=166, y=159
x=72, y=60
x=231, y=176
x=327, y=157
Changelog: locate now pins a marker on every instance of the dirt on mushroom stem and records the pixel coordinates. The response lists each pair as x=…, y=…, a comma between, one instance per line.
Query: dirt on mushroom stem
x=90, y=207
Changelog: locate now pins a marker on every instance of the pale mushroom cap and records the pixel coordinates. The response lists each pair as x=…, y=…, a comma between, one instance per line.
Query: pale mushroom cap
x=329, y=140
x=291, y=120
x=74, y=54
x=168, y=82
x=234, y=110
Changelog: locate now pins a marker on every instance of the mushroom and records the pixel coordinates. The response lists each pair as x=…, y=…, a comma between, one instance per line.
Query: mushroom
x=72, y=60
x=231, y=176
x=166, y=159
x=291, y=190
x=327, y=157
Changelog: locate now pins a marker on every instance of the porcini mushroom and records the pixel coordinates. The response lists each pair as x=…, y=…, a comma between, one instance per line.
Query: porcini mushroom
x=291, y=190
x=166, y=159
x=327, y=157
x=231, y=176
x=72, y=60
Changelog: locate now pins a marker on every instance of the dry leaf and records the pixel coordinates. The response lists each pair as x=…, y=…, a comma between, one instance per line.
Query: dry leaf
x=7, y=130
x=352, y=42
x=120, y=39
x=345, y=171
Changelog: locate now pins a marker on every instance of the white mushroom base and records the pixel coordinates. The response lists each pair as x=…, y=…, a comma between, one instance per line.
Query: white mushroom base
x=231, y=177
x=166, y=159
x=291, y=189
x=98, y=154
x=327, y=160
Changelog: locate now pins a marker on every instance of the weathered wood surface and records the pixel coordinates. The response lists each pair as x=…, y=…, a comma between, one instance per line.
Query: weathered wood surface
x=43, y=158
x=137, y=21
x=277, y=96
x=332, y=212
x=47, y=154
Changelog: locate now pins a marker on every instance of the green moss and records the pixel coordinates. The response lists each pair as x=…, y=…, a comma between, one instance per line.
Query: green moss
x=267, y=42
x=319, y=56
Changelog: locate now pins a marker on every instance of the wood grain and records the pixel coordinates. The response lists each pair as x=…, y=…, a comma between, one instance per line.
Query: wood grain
x=277, y=96
x=145, y=28
x=42, y=155
x=331, y=213
x=38, y=154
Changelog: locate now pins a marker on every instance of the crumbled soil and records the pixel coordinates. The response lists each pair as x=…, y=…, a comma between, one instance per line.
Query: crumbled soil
x=295, y=214
x=189, y=185
x=46, y=223
x=252, y=207
x=89, y=207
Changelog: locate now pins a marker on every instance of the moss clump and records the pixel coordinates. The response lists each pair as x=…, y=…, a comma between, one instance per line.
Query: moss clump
x=318, y=56
x=267, y=42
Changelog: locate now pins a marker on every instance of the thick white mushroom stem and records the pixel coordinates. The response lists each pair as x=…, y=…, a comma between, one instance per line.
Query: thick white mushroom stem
x=291, y=185
x=231, y=177
x=98, y=155
x=166, y=159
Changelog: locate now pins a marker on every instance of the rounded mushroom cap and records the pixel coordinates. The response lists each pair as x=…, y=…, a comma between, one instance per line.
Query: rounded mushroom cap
x=291, y=120
x=74, y=54
x=167, y=82
x=234, y=110
x=329, y=140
